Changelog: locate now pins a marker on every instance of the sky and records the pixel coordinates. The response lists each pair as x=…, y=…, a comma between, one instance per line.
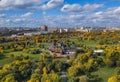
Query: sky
x=59, y=13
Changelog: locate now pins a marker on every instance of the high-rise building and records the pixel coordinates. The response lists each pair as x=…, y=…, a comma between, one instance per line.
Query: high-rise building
x=43, y=28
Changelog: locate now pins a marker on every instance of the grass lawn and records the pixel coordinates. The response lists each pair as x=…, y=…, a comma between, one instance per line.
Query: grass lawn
x=63, y=59
x=18, y=53
x=90, y=43
x=4, y=60
x=105, y=73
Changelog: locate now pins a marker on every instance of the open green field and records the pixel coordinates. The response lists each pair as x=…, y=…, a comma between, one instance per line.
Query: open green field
x=5, y=59
x=90, y=43
x=18, y=53
x=105, y=73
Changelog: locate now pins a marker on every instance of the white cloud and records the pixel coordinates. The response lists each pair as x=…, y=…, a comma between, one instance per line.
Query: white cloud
x=76, y=17
x=71, y=8
x=98, y=13
x=92, y=7
x=44, y=13
x=52, y=4
x=79, y=8
x=19, y=20
x=29, y=4
x=108, y=17
x=27, y=14
x=17, y=4
x=117, y=10
x=2, y=15
x=113, y=11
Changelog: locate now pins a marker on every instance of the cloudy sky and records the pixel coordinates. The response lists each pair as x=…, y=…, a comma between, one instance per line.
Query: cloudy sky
x=59, y=13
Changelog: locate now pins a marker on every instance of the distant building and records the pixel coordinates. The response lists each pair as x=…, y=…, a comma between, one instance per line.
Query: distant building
x=98, y=51
x=43, y=28
x=52, y=29
x=32, y=33
x=63, y=30
x=82, y=29
x=14, y=35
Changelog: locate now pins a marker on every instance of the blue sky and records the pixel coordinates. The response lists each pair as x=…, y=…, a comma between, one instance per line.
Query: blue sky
x=59, y=13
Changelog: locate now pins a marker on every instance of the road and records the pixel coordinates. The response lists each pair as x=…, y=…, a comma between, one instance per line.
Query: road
x=63, y=73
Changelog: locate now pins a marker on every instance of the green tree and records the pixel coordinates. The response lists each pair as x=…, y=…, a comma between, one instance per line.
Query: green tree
x=35, y=78
x=9, y=78
x=84, y=79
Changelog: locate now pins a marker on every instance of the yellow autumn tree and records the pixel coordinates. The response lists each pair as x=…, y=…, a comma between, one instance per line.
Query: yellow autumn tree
x=113, y=79
x=44, y=70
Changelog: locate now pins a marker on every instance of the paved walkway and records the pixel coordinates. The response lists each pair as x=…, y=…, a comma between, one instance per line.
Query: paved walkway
x=63, y=74
x=63, y=55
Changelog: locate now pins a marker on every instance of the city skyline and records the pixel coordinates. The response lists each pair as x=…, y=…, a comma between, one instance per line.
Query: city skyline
x=59, y=13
